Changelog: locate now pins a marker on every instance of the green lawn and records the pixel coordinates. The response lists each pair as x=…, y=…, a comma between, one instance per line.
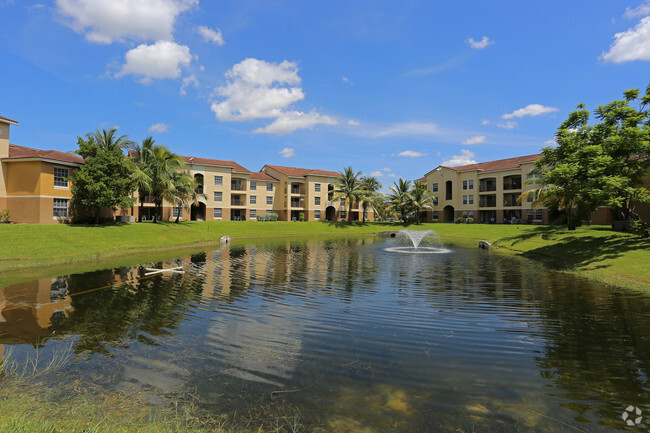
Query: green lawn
x=29, y=250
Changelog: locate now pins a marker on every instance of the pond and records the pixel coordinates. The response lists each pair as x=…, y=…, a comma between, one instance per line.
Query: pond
x=350, y=335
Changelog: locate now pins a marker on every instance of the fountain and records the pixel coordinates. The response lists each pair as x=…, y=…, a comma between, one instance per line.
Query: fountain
x=418, y=242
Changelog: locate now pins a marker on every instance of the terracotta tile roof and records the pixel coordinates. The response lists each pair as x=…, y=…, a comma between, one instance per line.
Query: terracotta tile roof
x=302, y=172
x=422, y=179
x=499, y=164
x=20, y=152
x=219, y=162
x=6, y=119
x=263, y=176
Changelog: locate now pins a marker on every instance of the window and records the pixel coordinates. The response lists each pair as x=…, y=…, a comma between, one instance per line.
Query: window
x=253, y=199
x=60, y=208
x=434, y=187
x=269, y=186
x=317, y=187
x=342, y=201
x=464, y=199
x=60, y=175
x=538, y=214
x=365, y=214
x=269, y=200
x=317, y=214
x=218, y=180
x=470, y=184
x=435, y=201
x=343, y=214
x=218, y=196
x=532, y=175
x=317, y=201
x=470, y=214
x=470, y=199
x=464, y=214
x=253, y=214
x=217, y=212
x=464, y=184
x=529, y=214
x=435, y=214
x=177, y=212
x=253, y=185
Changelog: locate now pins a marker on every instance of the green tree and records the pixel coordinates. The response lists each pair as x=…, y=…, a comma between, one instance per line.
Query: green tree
x=370, y=187
x=601, y=164
x=184, y=192
x=348, y=187
x=398, y=196
x=141, y=155
x=105, y=180
x=419, y=198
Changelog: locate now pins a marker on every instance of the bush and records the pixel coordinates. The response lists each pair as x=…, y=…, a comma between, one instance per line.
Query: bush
x=267, y=217
x=4, y=216
x=639, y=228
x=460, y=220
x=301, y=216
x=469, y=220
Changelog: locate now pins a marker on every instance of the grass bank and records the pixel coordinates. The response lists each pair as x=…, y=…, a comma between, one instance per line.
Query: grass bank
x=594, y=252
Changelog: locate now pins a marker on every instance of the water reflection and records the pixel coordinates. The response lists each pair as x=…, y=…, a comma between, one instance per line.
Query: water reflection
x=354, y=336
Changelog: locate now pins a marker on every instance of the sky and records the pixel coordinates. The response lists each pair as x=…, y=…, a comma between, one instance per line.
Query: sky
x=391, y=88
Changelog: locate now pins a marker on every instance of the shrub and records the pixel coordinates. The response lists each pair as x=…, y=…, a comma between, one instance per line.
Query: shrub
x=469, y=220
x=460, y=220
x=639, y=228
x=301, y=216
x=267, y=217
x=4, y=215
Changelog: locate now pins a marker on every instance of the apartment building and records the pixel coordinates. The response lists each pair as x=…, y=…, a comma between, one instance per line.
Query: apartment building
x=309, y=192
x=486, y=192
x=33, y=185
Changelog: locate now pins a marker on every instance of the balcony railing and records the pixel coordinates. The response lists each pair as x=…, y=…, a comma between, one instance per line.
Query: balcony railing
x=300, y=191
x=297, y=203
x=514, y=185
x=148, y=199
x=237, y=187
x=237, y=202
x=199, y=190
x=483, y=188
x=488, y=203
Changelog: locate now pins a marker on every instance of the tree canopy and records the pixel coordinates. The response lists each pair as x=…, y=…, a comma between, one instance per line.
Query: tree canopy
x=105, y=179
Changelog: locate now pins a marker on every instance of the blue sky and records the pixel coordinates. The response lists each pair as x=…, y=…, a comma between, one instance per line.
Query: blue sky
x=392, y=88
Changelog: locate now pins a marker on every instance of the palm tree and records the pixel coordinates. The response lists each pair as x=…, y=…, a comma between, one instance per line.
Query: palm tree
x=141, y=155
x=348, y=187
x=107, y=140
x=398, y=196
x=419, y=198
x=184, y=192
x=369, y=187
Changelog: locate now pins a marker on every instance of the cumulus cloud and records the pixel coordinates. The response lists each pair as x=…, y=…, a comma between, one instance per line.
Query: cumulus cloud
x=187, y=82
x=407, y=128
x=477, y=139
x=291, y=121
x=105, y=22
x=383, y=172
x=479, y=45
x=353, y=123
x=210, y=35
x=163, y=59
x=257, y=89
x=507, y=125
x=411, y=154
x=159, y=127
x=466, y=157
x=630, y=45
x=485, y=122
x=531, y=110
x=288, y=152
x=641, y=11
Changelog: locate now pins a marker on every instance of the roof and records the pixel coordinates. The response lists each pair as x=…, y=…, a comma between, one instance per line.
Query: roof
x=262, y=176
x=422, y=179
x=8, y=120
x=21, y=152
x=496, y=165
x=302, y=172
x=220, y=162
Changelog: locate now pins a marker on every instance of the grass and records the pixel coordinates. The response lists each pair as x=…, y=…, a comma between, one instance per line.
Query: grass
x=29, y=251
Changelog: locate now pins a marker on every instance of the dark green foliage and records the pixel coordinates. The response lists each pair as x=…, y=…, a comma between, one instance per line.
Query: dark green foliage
x=105, y=180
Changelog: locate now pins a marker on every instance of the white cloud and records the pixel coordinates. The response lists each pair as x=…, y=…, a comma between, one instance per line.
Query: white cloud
x=641, y=11
x=485, y=122
x=159, y=127
x=477, y=139
x=263, y=90
x=630, y=45
x=347, y=81
x=209, y=35
x=411, y=154
x=288, y=152
x=291, y=121
x=189, y=81
x=406, y=128
x=105, y=22
x=479, y=45
x=531, y=110
x=550, y=143
x=507, y=125
x=376, y=173
x=161, y=60
x=353, y=123
x=465, y=158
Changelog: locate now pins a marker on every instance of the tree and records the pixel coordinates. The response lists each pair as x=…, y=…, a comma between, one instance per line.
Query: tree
x=601, y=164
x=141, y=156
x=398, y=196
x=348, y=187
x=105, y=180
x=370, y=187
x=184, y=192
x=419, y=198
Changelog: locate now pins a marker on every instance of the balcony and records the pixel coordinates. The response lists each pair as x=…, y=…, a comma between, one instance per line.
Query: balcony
x=148, y=199
x=199, y=190
x=237, y=202
x=298, y=191
x=510, y=200
x=297, y=203
x=486, y=188
x=488, y=201
x=237, y=187
x=512, y=182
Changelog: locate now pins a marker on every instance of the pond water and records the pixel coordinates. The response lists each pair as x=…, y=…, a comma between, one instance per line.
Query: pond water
x=350, y=335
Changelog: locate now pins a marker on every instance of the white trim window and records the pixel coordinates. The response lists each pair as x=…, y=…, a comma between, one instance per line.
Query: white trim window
x=217, y=212
x=470, y=199
x=470, y=184
x=253, y=185
x=464, y=199
x=269, y=186
x=218, y=196
x=253, y=214
x=316, y=201
x=317, y=187
x=60, y=208
x=60, y=177
x=435, y=214
x=269, y=199
x=253, y=199
x=218, y=181
x=434, y=187
x=316, y=214
x=177, y=212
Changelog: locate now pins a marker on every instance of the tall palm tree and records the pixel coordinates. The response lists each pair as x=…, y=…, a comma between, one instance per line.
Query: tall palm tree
x=398, y=196
x=370, y=187
x=141, y=155
x=106, y=140
x=184, y=192
x=348, y=187
x=419, y=198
